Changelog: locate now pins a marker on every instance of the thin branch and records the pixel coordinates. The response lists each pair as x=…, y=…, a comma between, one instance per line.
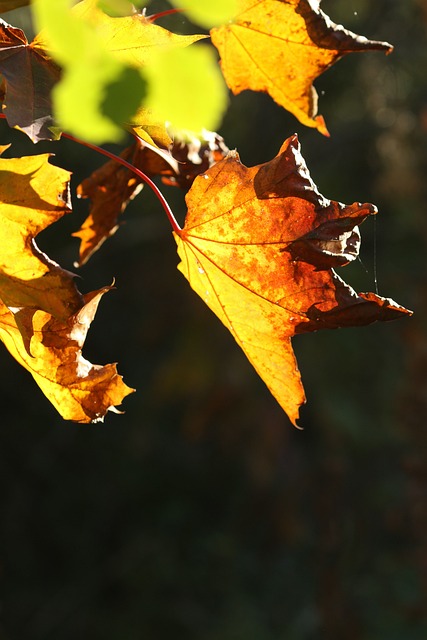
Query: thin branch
x=138, y=172
x=161, y=14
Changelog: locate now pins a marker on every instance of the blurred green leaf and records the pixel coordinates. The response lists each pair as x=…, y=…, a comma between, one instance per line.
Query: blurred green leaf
x=206, y=13
x=88, y=70
x=186, y=87
x=116, y=8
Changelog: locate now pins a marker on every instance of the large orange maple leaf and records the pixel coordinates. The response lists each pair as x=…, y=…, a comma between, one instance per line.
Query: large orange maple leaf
x=280, y=47
x=259, y=246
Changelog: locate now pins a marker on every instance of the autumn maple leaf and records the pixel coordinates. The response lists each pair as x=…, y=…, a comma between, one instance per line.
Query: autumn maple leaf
x=259, y=246
x=33, y=195
x=280, y=47
x=43, y=317
x=79, y=390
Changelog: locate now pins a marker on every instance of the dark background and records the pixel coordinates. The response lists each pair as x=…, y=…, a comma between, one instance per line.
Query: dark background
x=202, y=514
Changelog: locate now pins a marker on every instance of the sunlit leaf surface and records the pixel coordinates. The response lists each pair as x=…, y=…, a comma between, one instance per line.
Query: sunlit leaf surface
x=259, y=246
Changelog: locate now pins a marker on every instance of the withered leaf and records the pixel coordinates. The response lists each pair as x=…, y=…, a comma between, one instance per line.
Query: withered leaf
x=79, y=390
x=30, y=76
x=259, y=246
x=111, y=187
x=192, y=156
x=280, y=47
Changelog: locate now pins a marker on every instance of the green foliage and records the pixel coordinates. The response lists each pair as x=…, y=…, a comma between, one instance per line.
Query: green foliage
x=186, y=88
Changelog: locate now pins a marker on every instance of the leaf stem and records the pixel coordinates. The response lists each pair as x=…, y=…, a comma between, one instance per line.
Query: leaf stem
x=156, y=16
x=173, y=221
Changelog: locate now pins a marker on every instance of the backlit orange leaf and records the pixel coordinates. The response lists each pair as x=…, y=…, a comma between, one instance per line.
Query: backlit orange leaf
x=111, y=187
x=43, y=317
x=79, y=390
x=30, y=76
x=259, y=246
x=280, y=47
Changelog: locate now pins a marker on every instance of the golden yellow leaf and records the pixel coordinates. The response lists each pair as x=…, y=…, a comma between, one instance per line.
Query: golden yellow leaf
x=79, y=390
x=43, y=317
x=97, y=52
x=259, y=246
x=33, y=195
x=133, y=40
x=280, y=47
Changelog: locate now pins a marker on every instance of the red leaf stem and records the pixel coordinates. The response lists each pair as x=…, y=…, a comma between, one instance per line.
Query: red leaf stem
x=161, y=14
x=159, y=195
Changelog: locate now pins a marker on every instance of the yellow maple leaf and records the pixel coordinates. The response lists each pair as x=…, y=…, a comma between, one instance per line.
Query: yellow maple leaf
x=43, y=317
x=33, y=195
x=280, y=47
x=134, y=39
x=79, y=390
